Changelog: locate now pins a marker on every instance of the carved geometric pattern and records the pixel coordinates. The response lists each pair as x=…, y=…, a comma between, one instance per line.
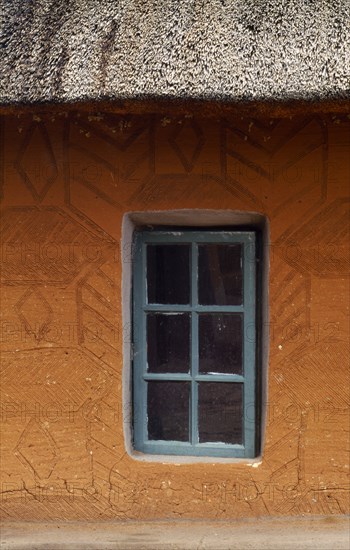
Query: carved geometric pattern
x=325, y=501
x=290, y=314
x=320, y=246
x=38, y=171
x=319, y=366
x=40, y=505
x=46, y=245
x=187, y=140
x=35, y=313
x=104, y=428
x=321, y=403
x=277, y=167
x=160, y=191
x=37, y=449
x=65, y=378
x=2, y=159
x=127, y=490
x=275, y=156
x=108, y=157
x=97, y=315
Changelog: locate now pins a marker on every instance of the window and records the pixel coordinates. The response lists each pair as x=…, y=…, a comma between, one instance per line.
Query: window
x=194, y=360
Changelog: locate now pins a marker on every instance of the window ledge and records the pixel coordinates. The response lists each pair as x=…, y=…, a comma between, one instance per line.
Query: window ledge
x=184, y=459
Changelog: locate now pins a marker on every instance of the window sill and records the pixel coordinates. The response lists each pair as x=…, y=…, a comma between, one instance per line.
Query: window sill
x=177, y=460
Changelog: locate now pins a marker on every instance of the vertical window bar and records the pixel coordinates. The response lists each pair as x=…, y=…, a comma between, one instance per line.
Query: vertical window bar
x=194, y=385
x=144, y=420
x=194, y=344
x=194, y=274
x=139, y=341
x=249, y=344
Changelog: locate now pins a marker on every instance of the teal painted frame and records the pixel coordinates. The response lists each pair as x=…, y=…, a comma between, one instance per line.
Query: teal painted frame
x=140, y=375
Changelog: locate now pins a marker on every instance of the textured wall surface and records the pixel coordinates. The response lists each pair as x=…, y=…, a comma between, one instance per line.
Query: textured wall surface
x=55, y=50
x=66, y=181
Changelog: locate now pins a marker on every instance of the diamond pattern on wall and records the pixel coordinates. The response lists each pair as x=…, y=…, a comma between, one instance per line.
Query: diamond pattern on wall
x=34, y=312
x=187, y=141
x=37, y=449
x=36, y=162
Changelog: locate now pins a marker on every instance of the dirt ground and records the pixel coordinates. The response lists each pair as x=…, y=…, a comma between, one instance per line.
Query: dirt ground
x=276, y=534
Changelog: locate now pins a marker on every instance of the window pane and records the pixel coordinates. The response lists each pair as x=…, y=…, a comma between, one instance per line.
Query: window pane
x=220, y=416
x=168, y=342
x=168, y=274
x=220, y=343
x=220, y=274
x=168, y=406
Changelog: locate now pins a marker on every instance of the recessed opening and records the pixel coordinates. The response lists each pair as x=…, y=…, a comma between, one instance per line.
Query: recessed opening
x=192, y=296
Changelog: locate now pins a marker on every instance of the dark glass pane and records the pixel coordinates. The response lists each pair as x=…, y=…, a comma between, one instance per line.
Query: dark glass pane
x=220, y=415
x=168, y=274
x=168, y=342
x=220, y=274
x=168, y=406
x=220, y=343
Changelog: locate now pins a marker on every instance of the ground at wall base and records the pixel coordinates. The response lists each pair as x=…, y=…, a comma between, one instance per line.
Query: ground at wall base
x=263, y=534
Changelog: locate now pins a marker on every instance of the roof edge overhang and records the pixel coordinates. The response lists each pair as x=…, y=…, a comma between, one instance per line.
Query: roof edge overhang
x=180, y=106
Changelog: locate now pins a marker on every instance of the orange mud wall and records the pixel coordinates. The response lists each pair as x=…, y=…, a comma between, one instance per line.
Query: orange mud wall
x=67, y=180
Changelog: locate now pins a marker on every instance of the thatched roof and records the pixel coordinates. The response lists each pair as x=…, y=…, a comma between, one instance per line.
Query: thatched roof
x=77, y=50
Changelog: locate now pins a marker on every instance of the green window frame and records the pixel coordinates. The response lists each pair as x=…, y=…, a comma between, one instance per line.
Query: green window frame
x=247, y=447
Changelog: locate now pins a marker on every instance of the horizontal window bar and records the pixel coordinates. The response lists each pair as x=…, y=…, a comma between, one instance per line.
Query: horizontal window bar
x=180, y=448
x=197, y=309
x=188, y=237
x=218, y=377
x=215, y=377
x=213, y=444
x=168, y=376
